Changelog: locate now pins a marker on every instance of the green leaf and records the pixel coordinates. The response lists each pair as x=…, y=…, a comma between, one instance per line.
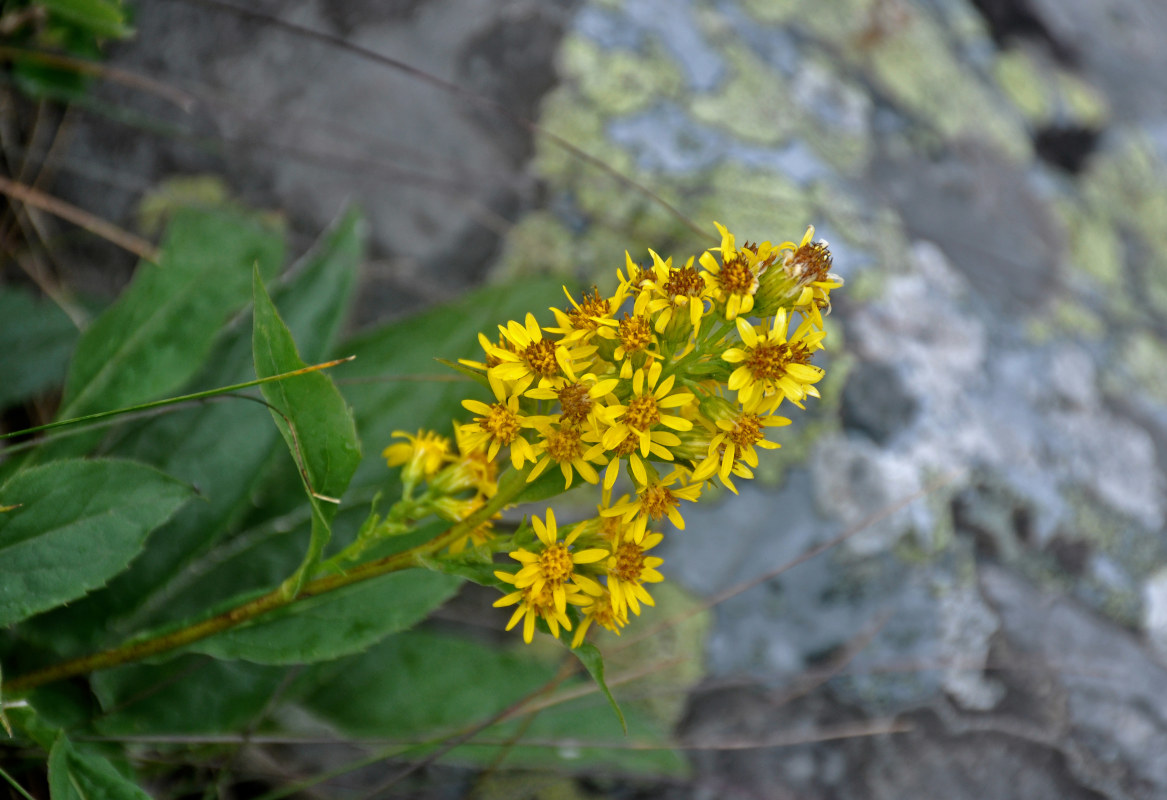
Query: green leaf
x=160, y=331
x=187, y=695
x=544, y=487
x=223, y=448
x=76, y=775
x=424, y=686
x=336, y=624
x=313, y=418
x=420, y=683
x=593, y=662
x=35, y=341
x=100, y=17
x=77, y=525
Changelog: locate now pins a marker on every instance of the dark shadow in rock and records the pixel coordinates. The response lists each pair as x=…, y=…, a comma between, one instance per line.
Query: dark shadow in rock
x=876, y=402
x=1067, y=147
x=1009, y=20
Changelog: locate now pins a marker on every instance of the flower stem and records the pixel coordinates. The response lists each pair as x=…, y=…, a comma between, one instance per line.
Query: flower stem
x=141, y=648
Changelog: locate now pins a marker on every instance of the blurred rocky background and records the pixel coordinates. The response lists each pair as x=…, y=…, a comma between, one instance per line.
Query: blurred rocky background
x=992, y=178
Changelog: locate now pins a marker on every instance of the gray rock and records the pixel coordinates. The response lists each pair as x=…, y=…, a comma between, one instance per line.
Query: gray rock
x=308, y=127
x=1114, y=692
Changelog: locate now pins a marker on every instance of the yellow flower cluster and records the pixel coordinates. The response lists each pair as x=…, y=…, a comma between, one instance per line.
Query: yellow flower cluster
x=677, y=375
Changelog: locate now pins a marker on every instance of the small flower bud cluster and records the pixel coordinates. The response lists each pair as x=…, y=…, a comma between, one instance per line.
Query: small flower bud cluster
x=674, y=378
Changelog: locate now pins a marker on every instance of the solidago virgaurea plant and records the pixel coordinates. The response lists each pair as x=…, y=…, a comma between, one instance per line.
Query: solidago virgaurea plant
x=674, y=379
x=645, y=392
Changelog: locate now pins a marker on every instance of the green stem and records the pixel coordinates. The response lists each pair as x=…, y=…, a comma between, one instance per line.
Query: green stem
x=510, y=487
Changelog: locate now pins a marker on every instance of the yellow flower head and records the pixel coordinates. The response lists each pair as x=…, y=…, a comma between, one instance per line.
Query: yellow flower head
x=554, y=566
x=773, y=366
x=733, y=449
x=809, y=265
x=423, y=455
x=675, y=295
x=498, y=425
x=534, y=604
x=629, y=569
x=601, y=610
x=580, y=402
x=656, y=500
x=531, y=358
x=566, y=445
x=651, y=397
x=735, y=276
x=585, y=318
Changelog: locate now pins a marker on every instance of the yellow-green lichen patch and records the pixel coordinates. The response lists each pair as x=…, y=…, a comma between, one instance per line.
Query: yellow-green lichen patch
x=566, y=115
x=754, y=104
x=1024, y=85
x=1128, y=183
x=1095, y=248
x=772, y=11
x=1045, y=93
x=1064, y=317
x=619, y=81
x=1085, y=103
x=761, y=204
x=911, y=61
x=833, y=119
x=1143, y=363
x=842, y=21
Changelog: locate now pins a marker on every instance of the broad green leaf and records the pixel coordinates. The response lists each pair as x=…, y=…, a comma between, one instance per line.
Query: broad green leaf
x=77, y=525
x=77, y=775
x=223, y=448
x=336, y=624
x=160, y=331
x=103, y=18
x=593, y=662
x=187, y=695
x=313, y=418
x=420, y=683
x=36, y=338
x=420, y=686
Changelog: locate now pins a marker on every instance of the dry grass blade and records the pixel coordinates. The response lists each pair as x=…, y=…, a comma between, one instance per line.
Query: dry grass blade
x=79, y=217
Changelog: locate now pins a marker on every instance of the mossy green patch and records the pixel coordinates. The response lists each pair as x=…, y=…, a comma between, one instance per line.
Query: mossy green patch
x=1095, y=248
x=908, y=57
x=1064, y=317
x=754, y=104
x=619, y=81
x=755, y=203
x=1141, y=361
x=1023, y=83
x=1127, y=183
x=772, y=11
